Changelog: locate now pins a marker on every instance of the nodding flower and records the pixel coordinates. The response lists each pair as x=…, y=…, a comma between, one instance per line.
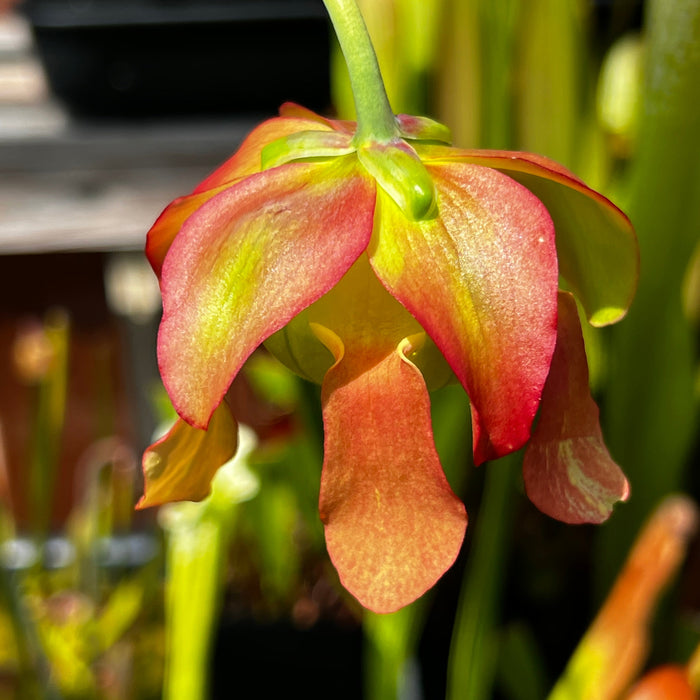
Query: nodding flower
x=383, y=269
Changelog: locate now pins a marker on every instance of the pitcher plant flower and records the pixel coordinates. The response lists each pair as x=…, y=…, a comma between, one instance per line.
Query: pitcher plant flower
x=380, y=262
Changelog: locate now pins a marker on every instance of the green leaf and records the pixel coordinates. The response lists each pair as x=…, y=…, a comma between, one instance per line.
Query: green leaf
x=651, y=410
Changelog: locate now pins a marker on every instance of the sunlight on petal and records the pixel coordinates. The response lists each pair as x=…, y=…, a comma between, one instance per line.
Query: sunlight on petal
x=482, y=281
x=181, y=465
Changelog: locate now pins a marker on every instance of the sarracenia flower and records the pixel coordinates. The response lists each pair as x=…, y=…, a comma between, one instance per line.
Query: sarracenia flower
x=381, y=270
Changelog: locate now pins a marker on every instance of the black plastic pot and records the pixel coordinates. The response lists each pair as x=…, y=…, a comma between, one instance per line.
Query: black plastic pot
x=158, y=57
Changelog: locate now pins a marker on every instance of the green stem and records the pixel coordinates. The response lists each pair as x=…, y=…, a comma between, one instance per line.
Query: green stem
x=472, y=660
x=375, y=119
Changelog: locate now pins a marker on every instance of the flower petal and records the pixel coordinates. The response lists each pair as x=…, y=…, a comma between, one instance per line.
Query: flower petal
x=568, y=471
x=181, y=465
x=247, y=262
x=482, y=281
x=245, y=161
x=168, y=225
x=393, y=525
x=294, y=110
x=596, y=243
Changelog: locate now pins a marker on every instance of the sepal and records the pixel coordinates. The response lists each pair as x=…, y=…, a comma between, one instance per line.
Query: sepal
x=399, y=171
x=423, y=129
x=306, y=145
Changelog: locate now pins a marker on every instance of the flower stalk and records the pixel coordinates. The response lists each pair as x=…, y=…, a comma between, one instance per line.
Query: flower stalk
x=375, y=119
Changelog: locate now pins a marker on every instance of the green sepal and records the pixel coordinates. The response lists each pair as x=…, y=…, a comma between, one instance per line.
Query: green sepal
x=423, y=129
x=306, y=145
x=402, y=175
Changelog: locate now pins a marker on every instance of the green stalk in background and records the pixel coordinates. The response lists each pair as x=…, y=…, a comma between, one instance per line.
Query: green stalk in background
x=197, y=538
x=474, y=649
x=475, y=87
x=551, y=78
x=389, y=651
x=48, y=421
x=651, y=408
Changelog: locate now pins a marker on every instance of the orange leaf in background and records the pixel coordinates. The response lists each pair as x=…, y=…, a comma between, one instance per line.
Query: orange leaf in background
x=614, y=649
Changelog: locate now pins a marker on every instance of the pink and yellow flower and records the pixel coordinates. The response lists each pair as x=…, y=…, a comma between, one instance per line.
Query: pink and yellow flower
x=382, y=270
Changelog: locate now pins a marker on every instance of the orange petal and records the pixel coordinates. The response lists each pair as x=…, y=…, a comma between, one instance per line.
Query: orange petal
x=168, y=225
x=181, y=465
x=614, y=649
x=293, y=110
x=568, y=471
x=393, y=524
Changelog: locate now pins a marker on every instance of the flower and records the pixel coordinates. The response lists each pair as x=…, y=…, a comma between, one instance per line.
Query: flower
x=382, y=269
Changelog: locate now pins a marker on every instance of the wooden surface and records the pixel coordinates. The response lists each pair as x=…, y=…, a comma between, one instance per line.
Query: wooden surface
x=89, y=185
x=100, y=186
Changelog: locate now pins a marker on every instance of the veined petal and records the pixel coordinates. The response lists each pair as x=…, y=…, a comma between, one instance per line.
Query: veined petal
x=567, y=469
x=247, y=262
x=181, y=465
x=596, y=243
x=481, y=279
x=393, y=525
x=245, y=161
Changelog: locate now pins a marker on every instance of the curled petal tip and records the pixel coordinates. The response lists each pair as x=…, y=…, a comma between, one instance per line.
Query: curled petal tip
x=181, y=465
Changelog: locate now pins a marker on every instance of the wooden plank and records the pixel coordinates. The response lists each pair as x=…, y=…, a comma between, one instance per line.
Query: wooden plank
x=101, y=187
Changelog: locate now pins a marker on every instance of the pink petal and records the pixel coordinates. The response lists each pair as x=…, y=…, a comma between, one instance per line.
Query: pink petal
x=596, y=244
x=247, y=262
x=568, y=471
x=481, y=279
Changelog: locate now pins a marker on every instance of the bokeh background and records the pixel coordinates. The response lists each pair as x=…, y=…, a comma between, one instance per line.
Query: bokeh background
x=109, y=110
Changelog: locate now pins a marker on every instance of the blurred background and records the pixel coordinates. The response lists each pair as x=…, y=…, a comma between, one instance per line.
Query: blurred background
x=109, y=110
